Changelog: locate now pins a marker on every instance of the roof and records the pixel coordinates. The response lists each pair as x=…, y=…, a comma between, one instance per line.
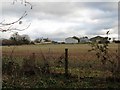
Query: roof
x=75, y=37
x=97, y=37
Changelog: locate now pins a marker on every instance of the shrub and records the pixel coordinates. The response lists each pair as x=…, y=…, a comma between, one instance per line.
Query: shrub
x=106, y=56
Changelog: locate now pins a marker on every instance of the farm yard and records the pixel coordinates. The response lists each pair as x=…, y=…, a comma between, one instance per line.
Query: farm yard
x=42, y=66
x=52, y=44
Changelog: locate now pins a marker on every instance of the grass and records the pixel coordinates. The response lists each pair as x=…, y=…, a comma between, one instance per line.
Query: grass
x=84, y=67
x=76, y=51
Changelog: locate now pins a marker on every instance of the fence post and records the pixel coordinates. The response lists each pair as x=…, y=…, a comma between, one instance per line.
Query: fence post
x=33, y=59
x=66, y=62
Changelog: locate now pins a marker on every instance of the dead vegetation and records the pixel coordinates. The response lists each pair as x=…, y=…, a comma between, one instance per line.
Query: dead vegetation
x=45, y=64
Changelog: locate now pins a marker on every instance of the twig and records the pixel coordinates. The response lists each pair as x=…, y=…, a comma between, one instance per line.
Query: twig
x=29, y=4
x=13, y=29
x=6, y=24
x=3, y=24
x=42, y=55
x=11, y=55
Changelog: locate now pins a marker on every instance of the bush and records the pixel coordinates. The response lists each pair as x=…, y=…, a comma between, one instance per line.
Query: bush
x=107, y=58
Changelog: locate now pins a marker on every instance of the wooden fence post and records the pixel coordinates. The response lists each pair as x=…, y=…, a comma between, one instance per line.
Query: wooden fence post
x=66, y=62
x=32, y=58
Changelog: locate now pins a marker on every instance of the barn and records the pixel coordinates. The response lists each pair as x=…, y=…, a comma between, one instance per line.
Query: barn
x=84, y=40
x=99, y=39
x=71, y=40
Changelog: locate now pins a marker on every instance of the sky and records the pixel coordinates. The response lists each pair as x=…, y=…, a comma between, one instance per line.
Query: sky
x=59, y=20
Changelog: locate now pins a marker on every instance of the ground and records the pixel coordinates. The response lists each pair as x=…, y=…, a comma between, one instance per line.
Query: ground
x=85, y=70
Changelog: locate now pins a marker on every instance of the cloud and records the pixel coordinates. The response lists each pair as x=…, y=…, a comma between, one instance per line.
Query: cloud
x=58, y=20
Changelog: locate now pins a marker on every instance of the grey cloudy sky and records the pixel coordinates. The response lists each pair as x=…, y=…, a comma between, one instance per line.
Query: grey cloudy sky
x=58, y=20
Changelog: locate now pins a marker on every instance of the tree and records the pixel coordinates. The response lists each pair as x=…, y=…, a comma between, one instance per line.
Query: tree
x=37, y=40
x=20, y=39
x=4, y=26
x=25, y=39
x=7, y=42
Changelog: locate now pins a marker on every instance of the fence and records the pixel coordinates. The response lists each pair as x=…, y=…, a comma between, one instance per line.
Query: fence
x=56, y=66
x=64, y=60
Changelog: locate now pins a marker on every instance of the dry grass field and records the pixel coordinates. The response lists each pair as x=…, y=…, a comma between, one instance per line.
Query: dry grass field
x=77, y=53
x=75, y=50
x=81, y=62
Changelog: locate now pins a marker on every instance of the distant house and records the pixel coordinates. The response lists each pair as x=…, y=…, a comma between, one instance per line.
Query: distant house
x=43, y=41
x=84, y=40
x=72, y=40
x=99, y=39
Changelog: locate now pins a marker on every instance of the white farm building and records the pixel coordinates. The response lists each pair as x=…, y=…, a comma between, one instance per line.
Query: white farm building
x=84, y=40
x=71, y=40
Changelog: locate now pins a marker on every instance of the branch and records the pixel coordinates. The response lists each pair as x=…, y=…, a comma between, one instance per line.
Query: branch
x=9, y=25
x=29, y=4
x=6, y=24
x=20, y=29
x=24, y=2
x=11, y=29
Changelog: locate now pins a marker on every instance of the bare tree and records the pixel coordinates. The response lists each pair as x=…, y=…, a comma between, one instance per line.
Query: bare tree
x=4, y=27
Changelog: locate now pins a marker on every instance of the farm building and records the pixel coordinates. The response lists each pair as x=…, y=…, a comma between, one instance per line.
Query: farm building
x=43, y=41
x=84, y=40
x=46, y=41
x=99, y=39
x=72, y=40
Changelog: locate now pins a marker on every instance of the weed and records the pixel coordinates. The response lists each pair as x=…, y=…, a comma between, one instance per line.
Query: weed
x=106, y=56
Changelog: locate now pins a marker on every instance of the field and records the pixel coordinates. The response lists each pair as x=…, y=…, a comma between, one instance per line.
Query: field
x=85, y=69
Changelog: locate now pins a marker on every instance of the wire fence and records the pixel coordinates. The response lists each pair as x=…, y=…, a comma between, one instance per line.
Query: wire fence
x=56, y=60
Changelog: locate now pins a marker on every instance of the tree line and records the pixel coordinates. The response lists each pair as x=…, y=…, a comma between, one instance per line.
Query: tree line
x=16, y=39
